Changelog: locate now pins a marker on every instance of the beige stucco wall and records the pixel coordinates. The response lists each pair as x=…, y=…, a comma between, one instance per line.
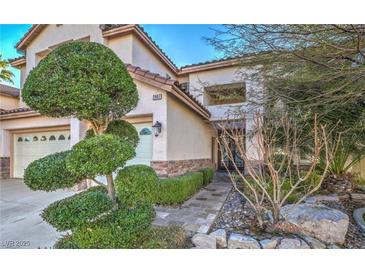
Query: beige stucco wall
x=144, y=58
x=254, y=90
x=7, y=102
x=158, y=110
x=188, y=135
x=122, y=46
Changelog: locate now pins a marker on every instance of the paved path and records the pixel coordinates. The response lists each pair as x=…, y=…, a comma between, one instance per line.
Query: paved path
x=20, y=223
x=199, y=212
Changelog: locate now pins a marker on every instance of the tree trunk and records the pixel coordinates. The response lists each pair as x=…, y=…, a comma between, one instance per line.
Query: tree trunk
x=110, y=186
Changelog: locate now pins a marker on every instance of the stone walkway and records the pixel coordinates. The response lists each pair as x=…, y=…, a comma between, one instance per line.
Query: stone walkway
x=199, y=212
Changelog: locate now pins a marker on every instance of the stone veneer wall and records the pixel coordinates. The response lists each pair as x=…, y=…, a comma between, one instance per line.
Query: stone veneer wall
x=179, y=167
x=4, y=167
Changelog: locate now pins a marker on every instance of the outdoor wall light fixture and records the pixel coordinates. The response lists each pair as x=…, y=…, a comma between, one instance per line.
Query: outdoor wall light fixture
x=157, y=128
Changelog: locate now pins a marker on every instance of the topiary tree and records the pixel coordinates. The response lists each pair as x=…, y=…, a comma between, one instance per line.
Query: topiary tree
x=50, y=173
x=100, y=155
x=136, y=185
x=122, y=129
x=87, y=81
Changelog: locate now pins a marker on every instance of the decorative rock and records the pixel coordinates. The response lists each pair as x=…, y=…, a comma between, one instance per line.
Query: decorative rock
x=270, y=243
x=358, y=196
x=203, y=241
x=324, y=223
x=314, y=243
x=322, y=198
x=238, y=241
x=221, y=237
x=289, y=243
x=359, y=215
x=333, y=246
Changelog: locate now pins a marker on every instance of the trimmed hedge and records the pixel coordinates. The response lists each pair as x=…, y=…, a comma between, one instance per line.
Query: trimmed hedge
x=78, y=209
x=208, y=174
x=136, y=185
x=50, y=173
x=176, y=190
x=123, y=228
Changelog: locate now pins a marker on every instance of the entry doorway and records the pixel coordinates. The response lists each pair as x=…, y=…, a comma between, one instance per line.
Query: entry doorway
x=224, y=161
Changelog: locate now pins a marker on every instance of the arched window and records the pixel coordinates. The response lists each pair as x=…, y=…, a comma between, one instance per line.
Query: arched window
x=20, y=139
x=27, y=139
x=35, y=138
x=43, y=138
x=52, y=138
x=145, y=131
x=61, y=138
x=69, y=137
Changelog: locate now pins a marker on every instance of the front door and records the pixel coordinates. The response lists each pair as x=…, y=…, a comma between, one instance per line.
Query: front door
x=225, y=162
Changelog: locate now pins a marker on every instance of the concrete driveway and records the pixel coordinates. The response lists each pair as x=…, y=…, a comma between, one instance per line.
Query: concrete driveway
x=20, y=221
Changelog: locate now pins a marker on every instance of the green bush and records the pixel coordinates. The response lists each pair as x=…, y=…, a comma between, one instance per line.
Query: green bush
x=123, y=228
x=176, y=190
x=86, y=80
x=171, y=237
x=78, y=209
x=122, y=129
x=50, y=173
x=208, y=174
x=136, y=185
x=99, y=155
x=65, y=242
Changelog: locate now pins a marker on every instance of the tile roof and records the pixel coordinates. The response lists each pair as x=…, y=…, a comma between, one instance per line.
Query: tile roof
x=14, y=110
x=9, y=91
x=212, y=61
x=164, y=80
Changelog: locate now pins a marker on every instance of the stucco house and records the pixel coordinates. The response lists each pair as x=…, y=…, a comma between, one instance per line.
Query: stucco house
x=179, y=100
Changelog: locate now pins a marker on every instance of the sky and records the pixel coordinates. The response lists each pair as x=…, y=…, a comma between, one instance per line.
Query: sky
x=184, y=44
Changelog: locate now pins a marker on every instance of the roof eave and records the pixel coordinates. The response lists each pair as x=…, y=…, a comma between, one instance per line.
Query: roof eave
x=133, y=28
x=18, y=63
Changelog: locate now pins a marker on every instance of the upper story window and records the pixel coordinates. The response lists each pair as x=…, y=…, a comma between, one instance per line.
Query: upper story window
x=225, y=94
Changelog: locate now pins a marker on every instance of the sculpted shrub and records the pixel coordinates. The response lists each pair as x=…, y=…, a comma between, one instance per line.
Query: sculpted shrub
x=136, y=185
x=99, y=155
x=78, y=209
x=50, y=173
x=122, y=129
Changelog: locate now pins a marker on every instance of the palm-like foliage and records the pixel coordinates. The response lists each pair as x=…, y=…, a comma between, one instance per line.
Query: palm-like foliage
x=5, y=74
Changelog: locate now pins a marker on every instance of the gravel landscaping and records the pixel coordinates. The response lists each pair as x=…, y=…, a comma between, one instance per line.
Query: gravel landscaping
x=237, y=217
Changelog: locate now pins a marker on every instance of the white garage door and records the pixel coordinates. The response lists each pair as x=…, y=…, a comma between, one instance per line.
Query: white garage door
x=32, y=146
x=144, y=148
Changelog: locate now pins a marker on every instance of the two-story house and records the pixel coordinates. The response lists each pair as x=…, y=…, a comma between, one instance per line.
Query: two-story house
x=181, y=101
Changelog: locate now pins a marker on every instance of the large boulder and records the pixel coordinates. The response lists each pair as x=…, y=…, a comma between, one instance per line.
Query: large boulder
x=204, y=241
x=221, y=237
x=238, y=241
x=318, y=221
x=270, y=243
x=289, y=243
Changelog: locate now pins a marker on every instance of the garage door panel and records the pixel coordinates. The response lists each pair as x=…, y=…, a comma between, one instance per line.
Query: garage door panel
x=32, y=146
x=144, y=148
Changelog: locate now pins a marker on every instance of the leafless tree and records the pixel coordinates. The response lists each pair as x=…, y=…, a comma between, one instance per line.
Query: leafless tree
x=264, y=177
